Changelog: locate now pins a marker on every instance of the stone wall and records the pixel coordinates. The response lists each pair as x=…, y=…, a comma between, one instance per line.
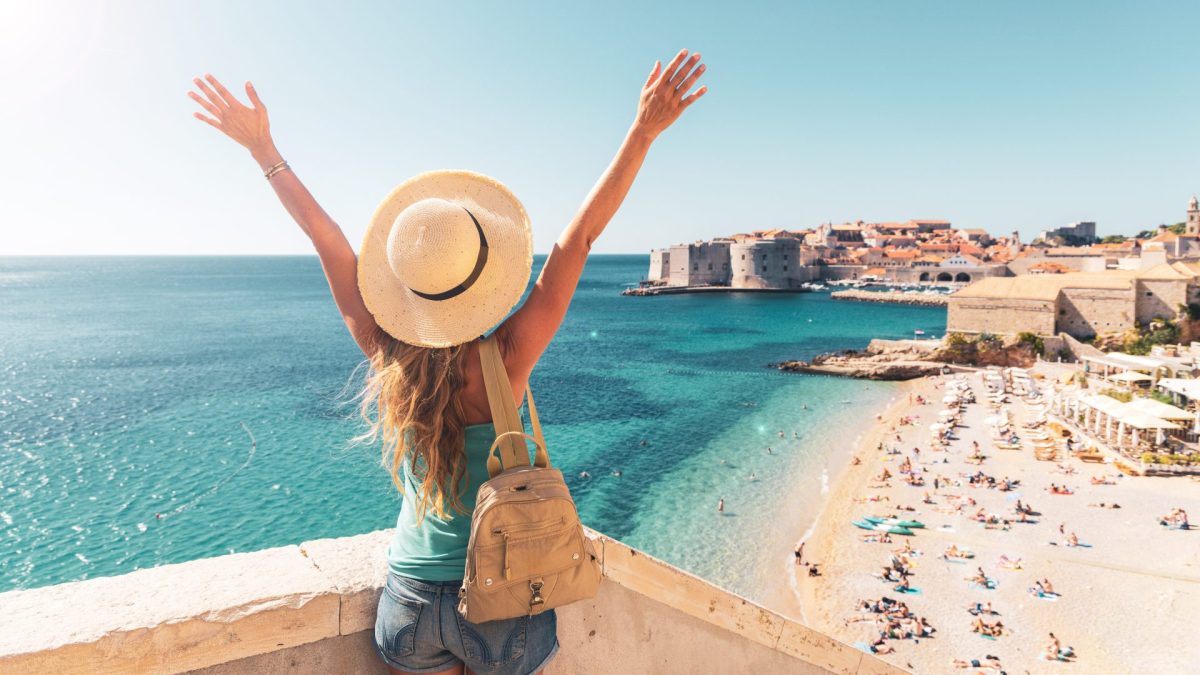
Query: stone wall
x=660, y=265
x=311, y=609
x=1001, y=316
x=1084, y=312
x=1160, y=299
x=699, y=264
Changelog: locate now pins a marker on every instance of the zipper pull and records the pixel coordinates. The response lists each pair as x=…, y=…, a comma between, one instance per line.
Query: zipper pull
x=506, y=568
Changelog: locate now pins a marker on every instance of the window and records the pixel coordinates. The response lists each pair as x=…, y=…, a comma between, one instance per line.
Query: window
x=724, y=266
x=695, y=267
x=785, y=256
x=1149, y=293
x=785, y=268
x=743, y=256
x=709, y=267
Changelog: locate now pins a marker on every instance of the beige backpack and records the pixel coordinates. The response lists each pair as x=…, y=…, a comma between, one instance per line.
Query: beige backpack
x=527, y=552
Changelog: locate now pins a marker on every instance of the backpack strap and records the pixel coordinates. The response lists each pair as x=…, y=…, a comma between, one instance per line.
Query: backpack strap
x=510, y=431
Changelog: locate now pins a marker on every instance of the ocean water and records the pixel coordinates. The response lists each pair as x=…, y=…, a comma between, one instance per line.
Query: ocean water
x=130, y=389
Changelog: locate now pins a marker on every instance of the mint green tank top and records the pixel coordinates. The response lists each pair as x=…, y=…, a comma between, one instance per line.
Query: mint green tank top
x=436, y=549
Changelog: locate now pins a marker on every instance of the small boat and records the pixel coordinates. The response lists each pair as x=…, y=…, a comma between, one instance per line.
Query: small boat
x=894, y=522
x=880, y=527
x=918, y=332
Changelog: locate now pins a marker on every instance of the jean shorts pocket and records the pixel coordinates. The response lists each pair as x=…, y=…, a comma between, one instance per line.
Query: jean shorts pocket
x=396, y=624
x=493, y=643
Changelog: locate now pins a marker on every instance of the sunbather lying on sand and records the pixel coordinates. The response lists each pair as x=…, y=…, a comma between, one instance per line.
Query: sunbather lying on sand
x=1103, y=480
x=995, y=629
x=953, y=551
x=1105, y=505
x=1009, y=563
x=876, y=538
x=978, y=608
x=989, y=663
x=1177, y=518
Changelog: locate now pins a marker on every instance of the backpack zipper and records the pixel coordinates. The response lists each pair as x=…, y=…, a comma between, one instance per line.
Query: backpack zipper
x=540, y=525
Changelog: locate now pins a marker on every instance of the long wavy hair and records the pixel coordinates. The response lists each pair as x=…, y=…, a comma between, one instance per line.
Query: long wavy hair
x=411, y=402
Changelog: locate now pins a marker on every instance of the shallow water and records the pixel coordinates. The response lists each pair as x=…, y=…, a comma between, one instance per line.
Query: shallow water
x=131, y=387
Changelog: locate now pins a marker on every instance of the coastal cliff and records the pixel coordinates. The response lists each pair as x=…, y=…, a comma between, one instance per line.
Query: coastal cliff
x=899, y=297
x=910, y=359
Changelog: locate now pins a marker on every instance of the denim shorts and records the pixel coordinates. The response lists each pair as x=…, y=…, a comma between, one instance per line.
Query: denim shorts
x=418, y=629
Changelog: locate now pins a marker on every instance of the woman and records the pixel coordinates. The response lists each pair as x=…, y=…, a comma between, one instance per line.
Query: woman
x=425, y=396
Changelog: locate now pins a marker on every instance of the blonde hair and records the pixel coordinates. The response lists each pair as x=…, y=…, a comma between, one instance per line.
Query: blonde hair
x=411, y=402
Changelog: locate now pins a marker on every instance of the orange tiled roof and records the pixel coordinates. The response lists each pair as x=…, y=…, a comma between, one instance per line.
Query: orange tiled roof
x=1049, y=267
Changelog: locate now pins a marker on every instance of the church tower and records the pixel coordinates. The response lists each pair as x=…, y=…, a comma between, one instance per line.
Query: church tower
x=1193, y=221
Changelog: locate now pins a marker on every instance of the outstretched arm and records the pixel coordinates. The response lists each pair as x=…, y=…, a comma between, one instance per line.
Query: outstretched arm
x=664, y=97
x=250, y=128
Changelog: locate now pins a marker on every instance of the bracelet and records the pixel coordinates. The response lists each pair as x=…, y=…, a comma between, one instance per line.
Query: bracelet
x=276, y=169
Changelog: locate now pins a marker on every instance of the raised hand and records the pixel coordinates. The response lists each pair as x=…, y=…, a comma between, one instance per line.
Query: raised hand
x=248, y=126
x=665, y=94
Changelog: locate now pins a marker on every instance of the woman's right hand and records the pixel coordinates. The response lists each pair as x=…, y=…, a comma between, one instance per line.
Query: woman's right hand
x=248, y=126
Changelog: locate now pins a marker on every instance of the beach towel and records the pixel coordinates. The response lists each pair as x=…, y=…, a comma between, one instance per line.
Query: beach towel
x=910, y=590
x=865, y=647
x=1044, y=596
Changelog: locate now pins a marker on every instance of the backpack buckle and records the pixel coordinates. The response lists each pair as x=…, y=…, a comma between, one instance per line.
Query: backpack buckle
x=537, y=599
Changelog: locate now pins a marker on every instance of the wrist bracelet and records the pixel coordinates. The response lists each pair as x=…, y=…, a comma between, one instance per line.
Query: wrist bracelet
x=276, y=168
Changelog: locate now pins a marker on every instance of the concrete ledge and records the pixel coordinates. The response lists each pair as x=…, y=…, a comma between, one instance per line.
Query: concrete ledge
x=169, y=618
x=311, y=609
x=356, y=567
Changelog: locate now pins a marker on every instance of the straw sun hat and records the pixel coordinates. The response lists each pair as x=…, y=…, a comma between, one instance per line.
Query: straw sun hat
x=446, y=256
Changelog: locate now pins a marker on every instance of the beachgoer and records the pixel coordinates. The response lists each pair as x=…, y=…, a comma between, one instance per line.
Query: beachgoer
x=721, y=505
x=769, y=451
x=800, y=553
x=411, y=262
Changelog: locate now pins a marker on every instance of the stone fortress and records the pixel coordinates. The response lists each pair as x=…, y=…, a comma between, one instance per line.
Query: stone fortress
x=915, y=251
x=1005, y=287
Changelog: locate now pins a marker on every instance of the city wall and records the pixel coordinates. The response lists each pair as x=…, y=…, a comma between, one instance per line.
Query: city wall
x=1001, y=316
x=1083, y=312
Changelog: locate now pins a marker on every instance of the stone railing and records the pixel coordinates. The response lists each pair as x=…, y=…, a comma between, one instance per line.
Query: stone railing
x=311, y=609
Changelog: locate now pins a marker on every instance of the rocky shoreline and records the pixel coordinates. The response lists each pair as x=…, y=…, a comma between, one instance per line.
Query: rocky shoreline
x=897, y=360
x=898, y=297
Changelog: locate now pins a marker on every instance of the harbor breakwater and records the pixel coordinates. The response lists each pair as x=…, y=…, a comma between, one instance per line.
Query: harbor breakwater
x=899, y=297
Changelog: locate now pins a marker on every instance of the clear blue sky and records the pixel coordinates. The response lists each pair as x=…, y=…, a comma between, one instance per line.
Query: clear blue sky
x=1003, y=115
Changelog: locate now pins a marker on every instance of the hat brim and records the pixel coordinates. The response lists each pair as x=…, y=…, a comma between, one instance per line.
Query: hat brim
x=410, y=318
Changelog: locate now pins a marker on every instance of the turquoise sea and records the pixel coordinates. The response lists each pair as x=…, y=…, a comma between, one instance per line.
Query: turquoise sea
x=131, y=387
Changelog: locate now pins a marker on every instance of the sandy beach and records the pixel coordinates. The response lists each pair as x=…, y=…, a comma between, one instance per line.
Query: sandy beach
x=1127, y=598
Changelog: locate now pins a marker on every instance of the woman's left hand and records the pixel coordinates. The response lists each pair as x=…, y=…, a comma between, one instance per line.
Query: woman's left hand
x=665, y=94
